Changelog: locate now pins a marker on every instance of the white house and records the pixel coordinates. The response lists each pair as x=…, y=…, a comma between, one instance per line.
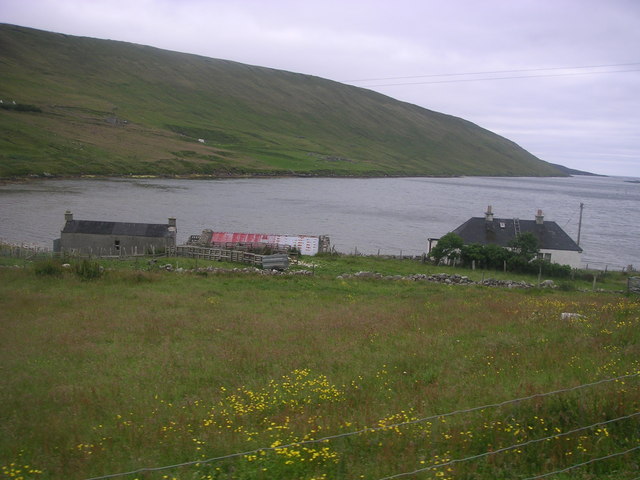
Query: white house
x=554, y=243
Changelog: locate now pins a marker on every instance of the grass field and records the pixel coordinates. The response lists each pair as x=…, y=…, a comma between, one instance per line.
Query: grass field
x=143, y=368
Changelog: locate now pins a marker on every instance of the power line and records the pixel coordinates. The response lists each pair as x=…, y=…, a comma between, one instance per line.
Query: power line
x=511, y=447
x=491, y=72
x=593, y=460
x=364, y=430
x=464, y=80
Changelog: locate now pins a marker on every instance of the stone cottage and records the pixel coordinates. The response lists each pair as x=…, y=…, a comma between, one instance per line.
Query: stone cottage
x=101, y=238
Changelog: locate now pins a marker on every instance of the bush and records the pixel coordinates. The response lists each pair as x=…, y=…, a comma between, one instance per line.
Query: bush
x=525, y=245
x=449, y=247
x=587, y=275
x=495, y=256
x=473, y=253
x=48, y=268
x=566, y=287
x=87, y=270
x=520, y=265
x=551, y=269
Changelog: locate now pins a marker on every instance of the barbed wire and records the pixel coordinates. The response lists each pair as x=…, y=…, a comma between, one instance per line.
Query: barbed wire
x=510, y=447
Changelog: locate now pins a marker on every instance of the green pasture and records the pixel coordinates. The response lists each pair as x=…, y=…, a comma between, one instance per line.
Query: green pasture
x=145, y=368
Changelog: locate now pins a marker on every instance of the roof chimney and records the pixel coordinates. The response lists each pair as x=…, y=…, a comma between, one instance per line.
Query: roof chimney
x=68, y=216
x=172, y=222
x=488, y=215
x=539, y=217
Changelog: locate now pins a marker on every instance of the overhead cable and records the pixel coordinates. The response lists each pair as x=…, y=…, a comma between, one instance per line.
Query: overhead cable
x=499, y=78
x=491, y=72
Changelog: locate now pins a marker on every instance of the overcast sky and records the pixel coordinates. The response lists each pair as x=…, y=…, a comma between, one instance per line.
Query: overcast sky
x=426, y=52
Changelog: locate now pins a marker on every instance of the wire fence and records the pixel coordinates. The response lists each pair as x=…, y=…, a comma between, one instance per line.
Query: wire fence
x=23, y=250
x=588, y=462
x=26, y=251
x=512, y=447
x=365, y=430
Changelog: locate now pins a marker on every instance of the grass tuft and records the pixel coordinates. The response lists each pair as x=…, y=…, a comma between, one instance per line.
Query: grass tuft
x=87, y=269
x=48, y=268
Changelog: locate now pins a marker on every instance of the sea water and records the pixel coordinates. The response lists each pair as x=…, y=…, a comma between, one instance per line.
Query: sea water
x=392, y=216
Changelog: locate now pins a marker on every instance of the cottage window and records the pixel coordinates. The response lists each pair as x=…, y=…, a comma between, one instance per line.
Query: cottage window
x=117, y=245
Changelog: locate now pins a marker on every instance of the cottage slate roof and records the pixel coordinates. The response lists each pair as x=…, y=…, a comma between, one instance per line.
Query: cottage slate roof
x=93, y=227
x=501, y=231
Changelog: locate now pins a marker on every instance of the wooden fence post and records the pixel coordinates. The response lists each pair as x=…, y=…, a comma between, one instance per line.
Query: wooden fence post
x=539, y=274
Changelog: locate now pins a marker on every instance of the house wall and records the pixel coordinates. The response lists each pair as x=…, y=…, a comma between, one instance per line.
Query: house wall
x=106, y=244
x=564, y=257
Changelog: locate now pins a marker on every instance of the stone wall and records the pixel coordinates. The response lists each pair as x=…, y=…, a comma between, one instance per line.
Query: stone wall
x=445, y=278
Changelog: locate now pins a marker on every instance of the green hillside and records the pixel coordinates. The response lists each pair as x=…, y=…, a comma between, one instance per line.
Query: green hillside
x=88, y=106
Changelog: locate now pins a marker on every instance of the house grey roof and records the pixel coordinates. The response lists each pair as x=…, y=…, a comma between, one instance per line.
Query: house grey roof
x=117, y=228
x=501, y=231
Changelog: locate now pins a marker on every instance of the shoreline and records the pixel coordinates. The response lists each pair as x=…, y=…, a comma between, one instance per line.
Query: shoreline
x=230, y=176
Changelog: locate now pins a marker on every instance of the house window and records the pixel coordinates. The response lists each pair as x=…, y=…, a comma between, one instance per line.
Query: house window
x=547, y=257
x=117, y=245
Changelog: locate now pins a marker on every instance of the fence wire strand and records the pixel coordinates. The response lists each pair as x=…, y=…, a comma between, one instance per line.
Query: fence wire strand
x=593, y=460
x=367, y=430
x=510, y=447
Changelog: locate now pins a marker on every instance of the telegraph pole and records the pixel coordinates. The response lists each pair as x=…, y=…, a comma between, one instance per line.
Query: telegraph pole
x=580, y=223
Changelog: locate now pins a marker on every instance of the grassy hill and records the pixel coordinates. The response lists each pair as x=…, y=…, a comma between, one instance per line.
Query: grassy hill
x=89, y=106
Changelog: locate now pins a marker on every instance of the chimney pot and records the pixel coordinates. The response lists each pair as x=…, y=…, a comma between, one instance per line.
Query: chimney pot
x=488, y=215
x=539, y=217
